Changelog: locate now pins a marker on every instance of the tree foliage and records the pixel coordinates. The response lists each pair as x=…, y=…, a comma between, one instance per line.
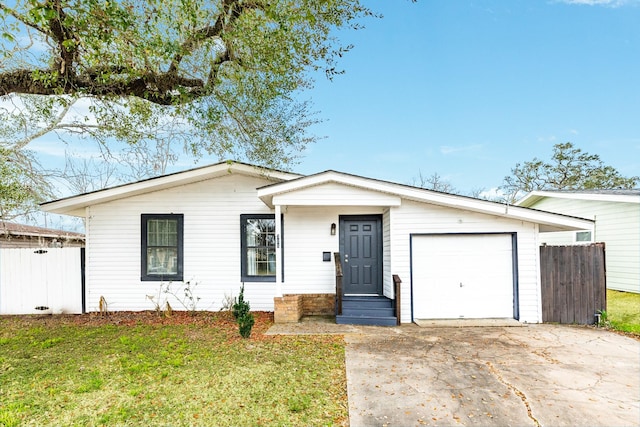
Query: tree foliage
x=226, y=70
x=569, y=169
x=219, y=77
x=19, y=191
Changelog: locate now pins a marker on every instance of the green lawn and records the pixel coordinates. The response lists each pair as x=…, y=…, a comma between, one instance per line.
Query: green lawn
x=89, y=370
x=623, y=311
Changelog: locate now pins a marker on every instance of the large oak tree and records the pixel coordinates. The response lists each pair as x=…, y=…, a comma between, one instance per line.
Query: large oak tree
x=223, y=76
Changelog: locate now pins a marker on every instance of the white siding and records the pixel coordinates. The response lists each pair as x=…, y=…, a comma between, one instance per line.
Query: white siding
x=386, y=253
x=417, y=218
x=333, y=194
x=617, y=224
x=306, y=236
x=211, y=212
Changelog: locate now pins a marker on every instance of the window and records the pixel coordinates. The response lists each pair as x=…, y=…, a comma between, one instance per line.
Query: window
x=583, y=236
x=161, y=253
x=258, y=246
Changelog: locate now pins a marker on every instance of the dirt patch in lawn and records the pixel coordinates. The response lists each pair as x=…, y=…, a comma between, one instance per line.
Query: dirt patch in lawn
x=223, y=320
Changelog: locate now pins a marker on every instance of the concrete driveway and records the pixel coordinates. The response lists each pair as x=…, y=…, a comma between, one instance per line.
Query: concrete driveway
x=533, y=375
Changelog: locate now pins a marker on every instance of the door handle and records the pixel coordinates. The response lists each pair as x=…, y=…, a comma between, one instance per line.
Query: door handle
x=461, y=284
x=346, y=257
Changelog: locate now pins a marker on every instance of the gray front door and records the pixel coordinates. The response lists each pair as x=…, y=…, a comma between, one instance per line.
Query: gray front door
x=361, y=250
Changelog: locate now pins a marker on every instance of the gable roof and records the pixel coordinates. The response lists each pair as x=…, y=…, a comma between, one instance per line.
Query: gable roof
x=614, y=195
x=285, y=183
x=548, y=221
x=75, y=205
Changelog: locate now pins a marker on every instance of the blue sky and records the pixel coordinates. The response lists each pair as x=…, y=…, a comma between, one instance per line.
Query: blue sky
x=468, y=88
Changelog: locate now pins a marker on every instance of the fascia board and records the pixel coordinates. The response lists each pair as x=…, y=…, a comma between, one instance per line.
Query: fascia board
x=442, y=199
x=535, y=196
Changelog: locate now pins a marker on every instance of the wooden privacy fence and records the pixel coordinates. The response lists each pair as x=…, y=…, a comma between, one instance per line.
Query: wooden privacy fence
x=573, y=283
x=41, y=280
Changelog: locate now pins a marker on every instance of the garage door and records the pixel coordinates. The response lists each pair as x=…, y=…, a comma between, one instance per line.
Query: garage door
x=462, y=276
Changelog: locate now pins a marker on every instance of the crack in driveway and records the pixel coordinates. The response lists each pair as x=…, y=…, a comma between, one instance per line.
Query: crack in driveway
x=513, y=388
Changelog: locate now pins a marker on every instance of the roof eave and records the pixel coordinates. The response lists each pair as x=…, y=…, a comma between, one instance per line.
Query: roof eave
x=76, y=205
x=535, y=196
x=549, y=221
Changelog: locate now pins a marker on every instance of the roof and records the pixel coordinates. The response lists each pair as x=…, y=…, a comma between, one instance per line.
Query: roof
x=75, y=205
x=13, y=229
x=389, y=193
x=548, y=221
x=612, y=195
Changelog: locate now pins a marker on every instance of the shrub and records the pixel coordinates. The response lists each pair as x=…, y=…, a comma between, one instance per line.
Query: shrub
x=240, y=307
x=245, y=323
x=242, y=314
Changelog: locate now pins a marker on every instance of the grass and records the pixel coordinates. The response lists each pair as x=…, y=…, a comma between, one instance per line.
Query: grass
x=92, y=371
x=623, y=311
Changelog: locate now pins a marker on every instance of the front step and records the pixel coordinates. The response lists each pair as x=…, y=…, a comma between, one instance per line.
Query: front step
x=367, y=302
x=370, y=311
x=366, y=320
x=367, y=310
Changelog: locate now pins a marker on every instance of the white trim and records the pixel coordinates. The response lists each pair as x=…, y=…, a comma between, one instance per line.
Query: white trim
x=551, y=221
x=285, y=182
x=278, y=218
x=533, y=197
x=538, y=291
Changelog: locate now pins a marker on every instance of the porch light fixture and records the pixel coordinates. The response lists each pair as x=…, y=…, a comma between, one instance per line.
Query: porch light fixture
x=333, y=229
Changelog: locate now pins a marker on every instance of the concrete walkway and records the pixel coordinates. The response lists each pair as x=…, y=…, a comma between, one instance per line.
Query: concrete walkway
x=549, y=375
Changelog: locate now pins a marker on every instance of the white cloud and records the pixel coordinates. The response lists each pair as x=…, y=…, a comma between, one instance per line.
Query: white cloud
x=48, y=147
x=57, y=148
x=492, y=194
x=550, y=138
x=573, y=131
x=447, y=149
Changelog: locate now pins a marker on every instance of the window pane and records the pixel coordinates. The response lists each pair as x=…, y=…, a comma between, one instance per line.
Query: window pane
x=162, y=261
x=260, y=232
x=583, y=236
x=260, y=242
x=261, y=262
x=162, y=232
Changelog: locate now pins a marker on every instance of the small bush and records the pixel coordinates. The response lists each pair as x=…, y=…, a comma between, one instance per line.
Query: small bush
x=240, y=307
x=245, y=323
x=241, y=311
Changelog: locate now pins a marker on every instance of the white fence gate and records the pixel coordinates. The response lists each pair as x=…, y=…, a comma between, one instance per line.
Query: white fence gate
x=41, y=281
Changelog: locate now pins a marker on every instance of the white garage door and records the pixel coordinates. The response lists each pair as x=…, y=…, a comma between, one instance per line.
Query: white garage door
x=462, y=276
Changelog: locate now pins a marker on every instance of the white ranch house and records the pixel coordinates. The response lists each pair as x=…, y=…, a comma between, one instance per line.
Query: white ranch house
x=277, y=232
x=617, y=223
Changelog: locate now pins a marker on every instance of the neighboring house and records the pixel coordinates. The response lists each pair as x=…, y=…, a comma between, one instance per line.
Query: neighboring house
x=231, y=223
x=617, y=224
x=14, y=235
